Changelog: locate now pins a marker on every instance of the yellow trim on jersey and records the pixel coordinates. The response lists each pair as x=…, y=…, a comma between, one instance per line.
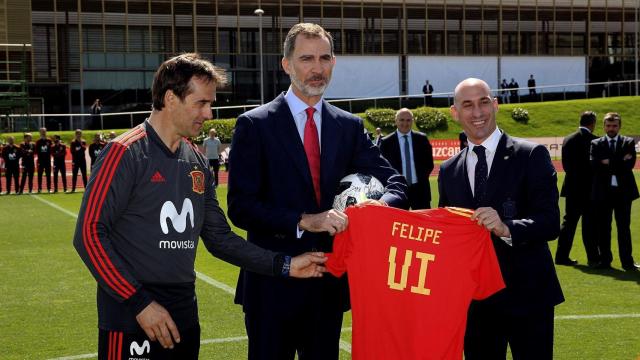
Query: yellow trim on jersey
x=460, y=211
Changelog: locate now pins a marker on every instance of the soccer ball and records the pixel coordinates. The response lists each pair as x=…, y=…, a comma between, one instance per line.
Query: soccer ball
x=356, y=188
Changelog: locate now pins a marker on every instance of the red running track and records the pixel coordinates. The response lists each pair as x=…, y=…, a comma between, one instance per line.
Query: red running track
x=223, y=176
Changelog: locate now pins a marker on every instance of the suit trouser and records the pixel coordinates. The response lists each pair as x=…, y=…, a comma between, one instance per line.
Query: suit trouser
x=314, y=335
x=419, y=196
x=12, y=172
x=615, y=203
x=214, y=164
x=490, y=329
x=45, y=167
x=309, y=326
x=82, y=166
x=59, y=167
x=27, y=171
x=576, y=207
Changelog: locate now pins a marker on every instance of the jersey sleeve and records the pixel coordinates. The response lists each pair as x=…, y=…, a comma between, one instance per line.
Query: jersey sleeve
x=337, y=260
x=487, y=273
x=105, y=199
x=224, y=244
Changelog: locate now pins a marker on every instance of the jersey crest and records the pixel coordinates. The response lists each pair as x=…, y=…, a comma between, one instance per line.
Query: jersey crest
x=197, y=178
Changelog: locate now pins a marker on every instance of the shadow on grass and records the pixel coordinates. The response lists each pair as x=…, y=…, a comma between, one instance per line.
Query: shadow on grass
x=617, y=274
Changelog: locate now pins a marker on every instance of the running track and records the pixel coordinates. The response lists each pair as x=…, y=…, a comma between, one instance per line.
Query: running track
x=223, y=176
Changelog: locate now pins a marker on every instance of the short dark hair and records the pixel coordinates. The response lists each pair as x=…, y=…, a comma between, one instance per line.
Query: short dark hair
x=175, y=74
x=587, y=118
x=613, y=116
x=309, y=31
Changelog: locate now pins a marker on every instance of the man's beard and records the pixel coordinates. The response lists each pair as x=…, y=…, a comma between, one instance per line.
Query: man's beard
x=308, y=90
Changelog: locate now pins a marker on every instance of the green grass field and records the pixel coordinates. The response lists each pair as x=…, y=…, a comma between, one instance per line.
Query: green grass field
x=48, y=311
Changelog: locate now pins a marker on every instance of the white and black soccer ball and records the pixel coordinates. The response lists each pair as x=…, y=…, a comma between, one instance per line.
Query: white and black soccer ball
x=355, y=188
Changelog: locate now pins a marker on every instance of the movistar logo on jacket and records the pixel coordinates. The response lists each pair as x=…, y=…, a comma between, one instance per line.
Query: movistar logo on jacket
x=179, y=223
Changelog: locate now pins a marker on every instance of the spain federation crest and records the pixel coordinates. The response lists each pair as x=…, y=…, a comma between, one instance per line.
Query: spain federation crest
x=197, y=178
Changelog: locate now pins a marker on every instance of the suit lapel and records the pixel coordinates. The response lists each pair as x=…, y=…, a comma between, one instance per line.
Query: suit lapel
x=396, y=156
x=285, y=129
x=331, y=131
x=501, y=160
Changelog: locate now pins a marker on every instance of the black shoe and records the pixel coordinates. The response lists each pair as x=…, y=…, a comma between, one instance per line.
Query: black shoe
x=632, y=267
x=567, y=261
x=603, y=266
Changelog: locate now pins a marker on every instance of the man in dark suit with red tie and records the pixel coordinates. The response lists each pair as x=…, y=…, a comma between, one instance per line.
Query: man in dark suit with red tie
x=511, y=184
x=576, y=189
x=613, y=157
x=410, y=153
x=288, y=158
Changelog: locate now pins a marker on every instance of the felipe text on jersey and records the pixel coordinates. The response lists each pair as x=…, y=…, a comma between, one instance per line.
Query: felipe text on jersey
x=415, y=233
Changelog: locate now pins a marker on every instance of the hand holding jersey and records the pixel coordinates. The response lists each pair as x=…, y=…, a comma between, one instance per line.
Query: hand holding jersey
x=490, y=219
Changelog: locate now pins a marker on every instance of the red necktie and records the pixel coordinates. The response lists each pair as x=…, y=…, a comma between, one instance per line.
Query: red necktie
x=312, y=148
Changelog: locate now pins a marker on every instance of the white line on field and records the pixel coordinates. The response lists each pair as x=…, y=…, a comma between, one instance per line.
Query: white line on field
x=597, y=316
x=55, y=206
x=213, y=282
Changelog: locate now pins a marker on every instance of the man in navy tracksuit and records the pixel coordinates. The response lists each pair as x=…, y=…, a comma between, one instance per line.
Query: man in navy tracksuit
x=149, y=199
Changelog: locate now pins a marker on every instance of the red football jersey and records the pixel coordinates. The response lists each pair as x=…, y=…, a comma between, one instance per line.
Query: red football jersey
x=412, y=276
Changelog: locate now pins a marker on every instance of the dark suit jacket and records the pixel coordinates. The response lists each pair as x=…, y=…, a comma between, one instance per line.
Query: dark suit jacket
x=576, y=164
x=622, y=169
x=270, y=187
x=522, y=189
x=422, y=156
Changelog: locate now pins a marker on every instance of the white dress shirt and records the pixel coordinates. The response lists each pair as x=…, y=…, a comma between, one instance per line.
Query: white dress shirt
x=298, y=110
x=490, y=144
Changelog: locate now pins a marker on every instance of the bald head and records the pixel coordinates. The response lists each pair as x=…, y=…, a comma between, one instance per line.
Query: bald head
x=404, y=120
x=475, y=109
x=467, y=83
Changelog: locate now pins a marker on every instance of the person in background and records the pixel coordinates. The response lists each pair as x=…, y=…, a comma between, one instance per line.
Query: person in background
x=531, y=84
x=59, y=151
x=43, y=150
x=427, y=90
x=78, y=148
x=95, y=147
x=513, y=86
x=96, y=110
x=504, y=92
x=613, y=157
x=576, y=189
x=11, y=156
x=411, y=154
x=28, y=150
x=212, y=150
x=511, y=184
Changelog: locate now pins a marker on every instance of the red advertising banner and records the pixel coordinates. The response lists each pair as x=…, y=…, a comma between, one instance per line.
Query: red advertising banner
x=444, y=149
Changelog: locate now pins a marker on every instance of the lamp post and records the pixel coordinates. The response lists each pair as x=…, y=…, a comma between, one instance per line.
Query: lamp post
x=260, y=12
x=636, y=40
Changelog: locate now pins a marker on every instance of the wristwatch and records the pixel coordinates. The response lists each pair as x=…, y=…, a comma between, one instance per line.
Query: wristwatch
x=286, y=266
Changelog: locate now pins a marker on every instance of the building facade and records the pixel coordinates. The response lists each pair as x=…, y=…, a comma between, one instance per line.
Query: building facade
x=85, y=49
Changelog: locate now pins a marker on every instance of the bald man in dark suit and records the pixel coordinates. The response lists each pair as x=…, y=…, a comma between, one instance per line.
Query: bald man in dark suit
x=511, y=184
x=411, y=154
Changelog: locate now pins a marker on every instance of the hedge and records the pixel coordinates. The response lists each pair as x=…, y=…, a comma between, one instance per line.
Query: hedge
x=429, y=119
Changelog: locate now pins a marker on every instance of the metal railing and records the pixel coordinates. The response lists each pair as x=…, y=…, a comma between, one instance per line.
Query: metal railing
x=16, y=122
